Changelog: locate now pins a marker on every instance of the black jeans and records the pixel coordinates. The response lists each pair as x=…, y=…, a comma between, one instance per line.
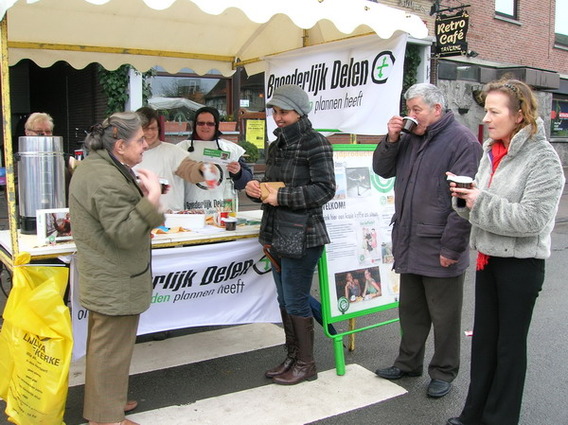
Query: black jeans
x=505, y=294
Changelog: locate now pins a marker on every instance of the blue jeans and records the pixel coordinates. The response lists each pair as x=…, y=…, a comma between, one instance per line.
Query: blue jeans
x=294, y=281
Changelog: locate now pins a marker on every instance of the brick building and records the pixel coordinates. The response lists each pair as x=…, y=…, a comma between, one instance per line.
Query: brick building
x=521, y=38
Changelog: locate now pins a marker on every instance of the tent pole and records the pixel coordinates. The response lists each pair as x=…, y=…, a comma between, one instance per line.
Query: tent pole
x=7, y=131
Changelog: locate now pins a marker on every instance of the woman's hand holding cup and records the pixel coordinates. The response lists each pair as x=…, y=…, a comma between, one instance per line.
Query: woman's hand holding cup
x=150, y=185
x=463, y=188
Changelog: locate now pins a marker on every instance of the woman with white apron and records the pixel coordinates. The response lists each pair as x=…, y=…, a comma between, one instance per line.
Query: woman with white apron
x=206, y=145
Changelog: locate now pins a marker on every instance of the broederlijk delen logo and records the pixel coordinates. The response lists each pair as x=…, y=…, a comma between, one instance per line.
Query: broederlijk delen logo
x=383, y=66
x=343, y=304
x=263, y=266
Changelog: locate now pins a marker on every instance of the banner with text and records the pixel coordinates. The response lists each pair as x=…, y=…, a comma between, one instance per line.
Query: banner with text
x=354, y=85
x=219, y=284
x=360, y=278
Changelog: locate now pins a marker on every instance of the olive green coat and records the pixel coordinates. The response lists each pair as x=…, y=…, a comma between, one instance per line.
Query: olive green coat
x=111, y=223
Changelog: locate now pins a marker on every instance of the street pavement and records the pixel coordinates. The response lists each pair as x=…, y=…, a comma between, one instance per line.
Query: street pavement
x=190, y=378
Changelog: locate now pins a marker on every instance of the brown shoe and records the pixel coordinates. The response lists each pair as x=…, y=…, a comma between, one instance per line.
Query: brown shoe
x=130, y=405
x=304, y=368
x=291, y=348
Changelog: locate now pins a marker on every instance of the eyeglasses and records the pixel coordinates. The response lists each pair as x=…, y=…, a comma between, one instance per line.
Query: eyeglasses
x=207, y=123
x=42, y=132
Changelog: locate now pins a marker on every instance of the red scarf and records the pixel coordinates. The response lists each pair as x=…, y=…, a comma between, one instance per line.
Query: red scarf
x=498, y=151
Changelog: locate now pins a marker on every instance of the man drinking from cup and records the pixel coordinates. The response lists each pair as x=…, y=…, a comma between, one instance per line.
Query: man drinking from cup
x=430, y=241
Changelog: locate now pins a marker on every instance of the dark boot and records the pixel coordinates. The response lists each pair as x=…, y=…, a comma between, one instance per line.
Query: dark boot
x=290, y=346
x=304, y=368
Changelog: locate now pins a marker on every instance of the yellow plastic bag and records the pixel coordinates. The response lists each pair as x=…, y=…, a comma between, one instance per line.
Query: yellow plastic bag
x=35, y=345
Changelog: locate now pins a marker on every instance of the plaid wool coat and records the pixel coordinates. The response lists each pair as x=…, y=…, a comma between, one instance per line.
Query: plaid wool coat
x=302, y=159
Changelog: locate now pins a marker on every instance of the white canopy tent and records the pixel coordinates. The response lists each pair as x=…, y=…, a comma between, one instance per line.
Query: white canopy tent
x=199, y=34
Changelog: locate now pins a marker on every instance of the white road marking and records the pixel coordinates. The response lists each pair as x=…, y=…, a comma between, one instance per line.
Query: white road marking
x=329, y=395
x=171, y=352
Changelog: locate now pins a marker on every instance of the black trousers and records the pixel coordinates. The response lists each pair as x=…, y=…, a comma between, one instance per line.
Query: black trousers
x=427, y=302
x=505, y=294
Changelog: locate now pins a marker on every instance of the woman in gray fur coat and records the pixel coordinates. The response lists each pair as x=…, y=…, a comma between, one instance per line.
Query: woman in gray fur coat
x=511, y=208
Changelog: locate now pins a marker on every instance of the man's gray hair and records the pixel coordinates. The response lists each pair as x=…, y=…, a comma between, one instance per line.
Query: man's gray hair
x=431, y=94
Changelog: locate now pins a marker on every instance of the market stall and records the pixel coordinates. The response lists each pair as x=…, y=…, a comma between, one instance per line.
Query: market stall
x=146, y=33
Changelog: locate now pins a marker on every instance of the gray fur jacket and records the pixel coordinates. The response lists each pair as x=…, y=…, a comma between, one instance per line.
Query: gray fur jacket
x=514, y=216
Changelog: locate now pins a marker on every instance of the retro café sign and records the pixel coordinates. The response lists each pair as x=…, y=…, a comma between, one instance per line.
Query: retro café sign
x=451, y=32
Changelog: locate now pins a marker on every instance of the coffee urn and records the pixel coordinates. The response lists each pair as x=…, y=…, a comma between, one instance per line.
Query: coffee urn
x=41, y=177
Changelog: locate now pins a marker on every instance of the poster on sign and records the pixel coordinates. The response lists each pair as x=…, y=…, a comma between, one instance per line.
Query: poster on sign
x=354, y=85
x=358, y=276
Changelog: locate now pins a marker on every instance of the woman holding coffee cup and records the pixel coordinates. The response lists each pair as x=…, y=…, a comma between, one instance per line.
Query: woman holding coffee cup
x=302, y=159
x=511, y=206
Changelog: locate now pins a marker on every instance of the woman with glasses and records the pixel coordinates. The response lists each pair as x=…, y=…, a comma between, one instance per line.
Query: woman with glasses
x=39, y=124
x=206, y=144
x=112, y=214
x=168, y=161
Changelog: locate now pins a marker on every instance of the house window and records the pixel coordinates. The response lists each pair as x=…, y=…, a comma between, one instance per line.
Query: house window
x=561, y=24
x=506, y=8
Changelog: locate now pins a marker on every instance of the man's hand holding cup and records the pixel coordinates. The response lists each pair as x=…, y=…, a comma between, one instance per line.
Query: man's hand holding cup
x=398, y=124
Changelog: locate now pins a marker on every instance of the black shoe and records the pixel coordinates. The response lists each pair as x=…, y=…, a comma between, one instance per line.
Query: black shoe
x=454, y=421
x=394, y=372
x=439, y=388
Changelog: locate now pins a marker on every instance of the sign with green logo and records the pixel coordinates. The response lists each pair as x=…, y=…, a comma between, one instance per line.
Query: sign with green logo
x=355, y=272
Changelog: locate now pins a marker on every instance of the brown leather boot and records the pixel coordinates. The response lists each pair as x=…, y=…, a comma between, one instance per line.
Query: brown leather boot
x=304, y=368
x=290, y=346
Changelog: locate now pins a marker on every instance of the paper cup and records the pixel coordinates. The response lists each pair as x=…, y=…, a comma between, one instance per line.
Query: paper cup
x=408, y=124
x=230, y=223
x=463, y=182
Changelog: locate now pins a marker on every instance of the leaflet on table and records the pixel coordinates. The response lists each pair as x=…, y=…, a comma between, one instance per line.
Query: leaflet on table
x=217, y=156
x=359, y=256
x=53, y=225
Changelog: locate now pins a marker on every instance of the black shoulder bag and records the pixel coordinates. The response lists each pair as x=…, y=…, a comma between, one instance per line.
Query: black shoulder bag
x=289, y=235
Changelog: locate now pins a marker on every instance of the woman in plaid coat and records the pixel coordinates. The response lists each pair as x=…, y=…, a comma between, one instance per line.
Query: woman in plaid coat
x=302, y=159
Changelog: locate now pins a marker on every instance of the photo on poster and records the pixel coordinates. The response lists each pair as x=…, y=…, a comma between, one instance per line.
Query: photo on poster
x=358, y=182
x=368, y=237
x=340, y=184
x=359, y=285
x=386, y=252
x=53, y=225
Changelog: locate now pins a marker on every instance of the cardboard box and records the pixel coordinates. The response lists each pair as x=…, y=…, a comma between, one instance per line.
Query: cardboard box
x=187, y=221
x=264, y=190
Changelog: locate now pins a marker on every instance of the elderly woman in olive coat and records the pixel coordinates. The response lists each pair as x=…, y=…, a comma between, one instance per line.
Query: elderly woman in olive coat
x=112, y=214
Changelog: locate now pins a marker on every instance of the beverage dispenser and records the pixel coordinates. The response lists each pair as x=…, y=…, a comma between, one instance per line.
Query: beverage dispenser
x=41, y=177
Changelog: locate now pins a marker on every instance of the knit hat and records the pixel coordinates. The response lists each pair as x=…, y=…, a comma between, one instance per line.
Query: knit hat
x=291, y=97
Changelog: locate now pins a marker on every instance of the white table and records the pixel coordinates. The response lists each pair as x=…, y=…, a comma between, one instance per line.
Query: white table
x=209, y=234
